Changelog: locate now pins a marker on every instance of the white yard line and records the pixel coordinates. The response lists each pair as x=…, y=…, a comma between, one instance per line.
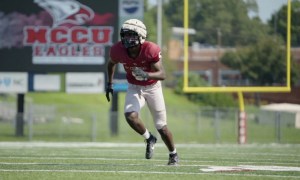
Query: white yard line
x=253, y=167
x=145, y=172
x=155, y=165
x=243, y=153
x=249, y=168
x=91, y=158
x=294, y=162
x=104, y=144
x=68, y=144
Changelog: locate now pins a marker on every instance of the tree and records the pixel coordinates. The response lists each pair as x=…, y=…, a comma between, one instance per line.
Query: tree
x=207, y=99
x=279, y=22
x=230, y=17
x=264, y=63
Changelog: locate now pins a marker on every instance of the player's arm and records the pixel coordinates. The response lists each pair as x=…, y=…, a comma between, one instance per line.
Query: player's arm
x=158, y=71
x=111, y=67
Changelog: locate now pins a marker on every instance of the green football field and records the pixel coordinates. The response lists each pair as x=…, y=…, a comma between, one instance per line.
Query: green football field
x=38, y=160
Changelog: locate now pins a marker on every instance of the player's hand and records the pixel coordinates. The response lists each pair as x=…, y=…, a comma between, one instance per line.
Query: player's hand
x=109, y=90
x=139, y=74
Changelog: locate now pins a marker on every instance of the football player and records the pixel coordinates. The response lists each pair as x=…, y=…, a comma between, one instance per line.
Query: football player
x=142, y=62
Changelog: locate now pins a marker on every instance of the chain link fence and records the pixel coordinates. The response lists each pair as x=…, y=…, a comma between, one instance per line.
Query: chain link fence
x=205, y=125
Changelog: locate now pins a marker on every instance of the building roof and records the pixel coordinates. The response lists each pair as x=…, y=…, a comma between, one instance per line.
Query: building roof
x=286, y=107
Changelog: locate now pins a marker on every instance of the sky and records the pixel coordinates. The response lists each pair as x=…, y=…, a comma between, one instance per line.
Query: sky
x=266, y=7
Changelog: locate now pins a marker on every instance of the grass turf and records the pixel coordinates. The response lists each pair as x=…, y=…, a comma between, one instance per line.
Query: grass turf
x=35, y=160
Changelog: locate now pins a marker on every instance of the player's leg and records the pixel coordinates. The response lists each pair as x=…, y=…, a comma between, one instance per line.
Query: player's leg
x=156, y=104
x=161, y=125
x=167, y=137
x=133, y=103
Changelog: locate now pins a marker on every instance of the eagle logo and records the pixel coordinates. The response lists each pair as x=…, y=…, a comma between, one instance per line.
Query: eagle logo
x=67, y=12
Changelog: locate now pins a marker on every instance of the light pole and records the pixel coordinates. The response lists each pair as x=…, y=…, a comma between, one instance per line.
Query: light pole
x=219, y=42
x=159, y=23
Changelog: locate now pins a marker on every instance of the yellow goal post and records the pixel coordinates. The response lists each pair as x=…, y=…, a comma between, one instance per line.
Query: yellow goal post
x=189, y=89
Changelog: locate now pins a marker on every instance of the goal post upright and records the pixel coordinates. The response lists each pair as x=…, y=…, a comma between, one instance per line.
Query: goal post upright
x=288, y=45
x=186, y=43
x=242, y=120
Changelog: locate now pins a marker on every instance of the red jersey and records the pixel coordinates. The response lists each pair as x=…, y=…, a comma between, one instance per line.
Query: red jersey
x=150, y=53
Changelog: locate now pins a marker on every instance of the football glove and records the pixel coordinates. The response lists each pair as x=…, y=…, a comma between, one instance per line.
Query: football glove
x=109, y=89
x=139, y=74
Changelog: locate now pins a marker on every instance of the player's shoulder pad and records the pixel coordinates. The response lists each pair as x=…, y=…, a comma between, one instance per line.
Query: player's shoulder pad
x=116, y=47
x=152, y=50
x=115, y=50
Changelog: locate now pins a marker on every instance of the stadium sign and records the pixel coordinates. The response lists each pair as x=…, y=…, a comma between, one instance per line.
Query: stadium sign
x=63, y=46
x=13, y=82
x=85, y=82
x=46, y=82
x=56, y=35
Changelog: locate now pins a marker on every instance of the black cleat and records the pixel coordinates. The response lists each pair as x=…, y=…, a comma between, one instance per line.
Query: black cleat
x=150, y=146
x=173, y=159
